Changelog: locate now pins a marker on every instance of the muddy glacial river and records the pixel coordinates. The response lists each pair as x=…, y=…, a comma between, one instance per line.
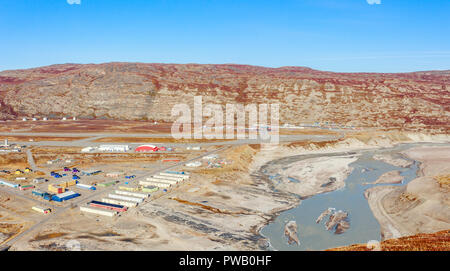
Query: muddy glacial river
x=363, y=225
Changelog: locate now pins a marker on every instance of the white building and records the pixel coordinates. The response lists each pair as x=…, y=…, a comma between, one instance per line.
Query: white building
x=87, y=149
x=194, y=164
x=114, y=148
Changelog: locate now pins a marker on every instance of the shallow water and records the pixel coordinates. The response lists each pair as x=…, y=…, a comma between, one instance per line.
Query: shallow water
x=363, y=225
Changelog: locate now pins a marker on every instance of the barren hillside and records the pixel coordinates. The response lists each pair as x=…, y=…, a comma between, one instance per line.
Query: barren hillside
x=136, y=91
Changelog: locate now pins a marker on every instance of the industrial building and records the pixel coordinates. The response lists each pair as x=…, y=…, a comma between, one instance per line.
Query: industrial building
x=114, y=148
x=172, y=182
x=65, y=196
x=132, y=194
x=86, y=186
x=149, y=189
x=157, y=184
x=127, y=198
x=56, y=189
x=98, y=211
x=128, y=204
x=87, y=149
x=108, y=206
x=39, y=180
x=26, y=187
x=146, y=148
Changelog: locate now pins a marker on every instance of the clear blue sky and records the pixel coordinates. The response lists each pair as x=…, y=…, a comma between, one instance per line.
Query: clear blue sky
x=335, y=35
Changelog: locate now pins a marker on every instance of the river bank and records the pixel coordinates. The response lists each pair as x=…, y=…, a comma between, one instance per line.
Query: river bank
x=286, y=181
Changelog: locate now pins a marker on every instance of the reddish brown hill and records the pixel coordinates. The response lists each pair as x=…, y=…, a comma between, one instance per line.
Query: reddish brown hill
x=439, y=241
x=140, y=91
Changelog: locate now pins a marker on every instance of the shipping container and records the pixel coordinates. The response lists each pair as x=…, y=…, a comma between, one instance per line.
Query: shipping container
x=131, y=189
x=178, y=179
x=13, y=185
x=172, y=182
x=108, y=206
x=26, y=187
x=128, y=198
x=86, y=186
x=39, y=180
x=157, y=184
x=98, y=211
x=40, y=209
x=128, y=204
x=178, y=175
x=149, y=189
x=132, y=194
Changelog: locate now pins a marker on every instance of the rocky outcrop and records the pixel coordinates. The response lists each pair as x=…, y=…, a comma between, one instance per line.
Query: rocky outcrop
x=290, y=231
x=337, y=220
x=138, y=91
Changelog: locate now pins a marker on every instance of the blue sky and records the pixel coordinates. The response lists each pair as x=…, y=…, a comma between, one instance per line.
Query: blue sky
x=334, y=35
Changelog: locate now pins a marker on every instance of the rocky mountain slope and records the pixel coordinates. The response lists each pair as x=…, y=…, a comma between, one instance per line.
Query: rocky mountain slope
x=138, y=91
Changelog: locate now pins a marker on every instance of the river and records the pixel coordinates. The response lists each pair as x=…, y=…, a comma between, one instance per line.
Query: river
x=363, y=225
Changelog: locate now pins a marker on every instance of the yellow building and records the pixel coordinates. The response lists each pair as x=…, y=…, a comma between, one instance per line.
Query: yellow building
x=57, y=189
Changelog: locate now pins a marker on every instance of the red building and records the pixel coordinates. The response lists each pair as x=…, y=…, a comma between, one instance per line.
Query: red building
x=146, y=148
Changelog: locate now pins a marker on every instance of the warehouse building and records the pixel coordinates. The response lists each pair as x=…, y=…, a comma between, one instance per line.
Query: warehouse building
x=132, y=194
x=128, y=204
x=127, y=198
x=154, y=183
x=86, y=186
x=146, y=148
x=108, y=206
x=114, y=148
x=65, y=196
x=98, y=211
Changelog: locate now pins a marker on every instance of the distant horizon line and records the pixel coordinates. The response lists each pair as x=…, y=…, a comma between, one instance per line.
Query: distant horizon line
x=220, y=64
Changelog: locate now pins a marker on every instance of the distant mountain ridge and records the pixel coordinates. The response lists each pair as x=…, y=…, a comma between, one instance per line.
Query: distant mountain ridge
x=140, y=91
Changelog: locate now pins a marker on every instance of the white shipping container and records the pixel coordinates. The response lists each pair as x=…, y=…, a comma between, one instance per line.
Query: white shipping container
x=120, y=202
x=40, y=209
x=157, y=184
x=122, y=197
x=133, y=194
x=172, y=182
x=86, y=186
x=168, y=178
x=98, y=211
x=174, y=175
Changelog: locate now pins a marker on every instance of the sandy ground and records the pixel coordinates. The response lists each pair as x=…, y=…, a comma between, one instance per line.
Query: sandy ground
x=422, y=206
x=389, y=159
x=217, y=209
x=390, y=178
x=313, y=176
